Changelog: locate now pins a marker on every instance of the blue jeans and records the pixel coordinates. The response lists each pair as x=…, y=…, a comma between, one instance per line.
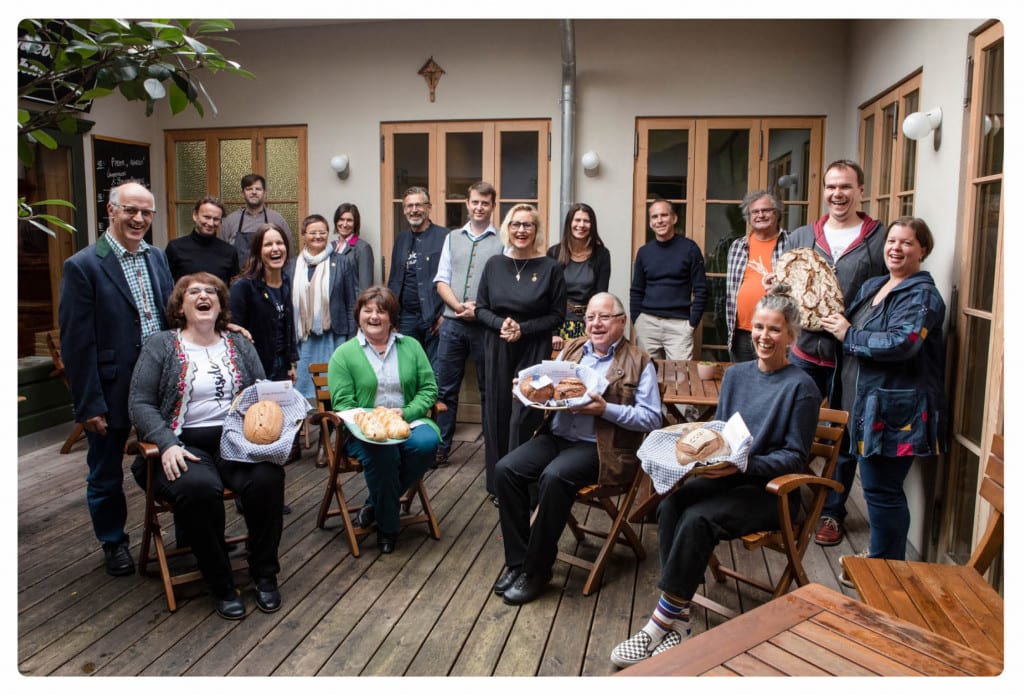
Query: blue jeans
x=846, y=466
x=888, y=514
x=391, y=469
x=414, y=326
x=104, y=489
x=457, y=341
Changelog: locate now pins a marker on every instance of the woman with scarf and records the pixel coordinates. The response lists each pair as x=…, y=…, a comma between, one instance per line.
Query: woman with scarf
x=323, y=299
x=352, y=247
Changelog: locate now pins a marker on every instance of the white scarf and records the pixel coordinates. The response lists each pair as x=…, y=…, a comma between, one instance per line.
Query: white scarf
x=311, y=295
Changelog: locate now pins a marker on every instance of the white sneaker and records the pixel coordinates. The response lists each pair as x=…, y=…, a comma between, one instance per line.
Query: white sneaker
x=843, y=579
x=634, y=650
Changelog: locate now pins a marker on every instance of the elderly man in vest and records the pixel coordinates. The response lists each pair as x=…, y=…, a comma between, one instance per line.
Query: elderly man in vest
x=595, y=443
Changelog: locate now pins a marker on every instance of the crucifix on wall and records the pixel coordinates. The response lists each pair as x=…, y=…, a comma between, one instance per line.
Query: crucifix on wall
x=431, y=72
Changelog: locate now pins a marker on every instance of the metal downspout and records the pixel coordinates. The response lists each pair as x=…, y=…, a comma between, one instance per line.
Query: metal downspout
x=567, y=193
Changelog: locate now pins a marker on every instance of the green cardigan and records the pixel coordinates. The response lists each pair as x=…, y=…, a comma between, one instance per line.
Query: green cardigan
x=353, y=383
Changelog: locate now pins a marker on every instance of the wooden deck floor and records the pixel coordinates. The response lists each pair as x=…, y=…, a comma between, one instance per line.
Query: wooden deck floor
x=426, y=610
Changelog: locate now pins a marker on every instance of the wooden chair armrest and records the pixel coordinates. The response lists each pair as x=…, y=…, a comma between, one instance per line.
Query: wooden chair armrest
x=784, y=484
x=321, y=416
x=147, y=450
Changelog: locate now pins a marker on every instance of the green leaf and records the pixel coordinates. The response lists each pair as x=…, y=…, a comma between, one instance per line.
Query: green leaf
x=197, y=46
x=96, y=93
x=43, y=227
x=56, y=221
x=154, y=89
x=44, y=139
x=54, y=201
x=178, y=100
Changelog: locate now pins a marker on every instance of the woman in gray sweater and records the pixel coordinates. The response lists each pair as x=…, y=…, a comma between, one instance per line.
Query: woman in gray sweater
x=183, y=385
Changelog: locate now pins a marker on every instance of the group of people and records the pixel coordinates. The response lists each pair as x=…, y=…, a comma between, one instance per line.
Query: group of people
x=505, y=299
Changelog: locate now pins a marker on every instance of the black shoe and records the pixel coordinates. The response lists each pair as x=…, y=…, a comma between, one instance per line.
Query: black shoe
x=286, y=509
x=231, y=607
x=386, y=542
x=268, y=598
x=440, y=459
x=117, y=558
x=526, y=589
x=493, y=499
x=506, y=580
x=365, y=517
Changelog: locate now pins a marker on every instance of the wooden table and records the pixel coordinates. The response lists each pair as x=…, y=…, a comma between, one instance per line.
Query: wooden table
x=951, y=600
x=815, y=631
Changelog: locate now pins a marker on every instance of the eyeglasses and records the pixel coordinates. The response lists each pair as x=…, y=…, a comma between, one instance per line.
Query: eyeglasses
x=196, y=291
x=605, y=318
x=416, y=206
x=132, y=211
x=762, y=211
x=521, y=225
x=316, y=233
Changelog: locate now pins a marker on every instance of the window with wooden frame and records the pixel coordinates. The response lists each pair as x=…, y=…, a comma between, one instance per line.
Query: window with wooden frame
x=447, y=157
x=888, y=157
x=212, y=161
x=704, y=167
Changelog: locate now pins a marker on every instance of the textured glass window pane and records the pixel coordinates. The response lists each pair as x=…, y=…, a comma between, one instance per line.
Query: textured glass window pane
x=183, y=218
x=680, y=210
x=235, y=162
x=909, y=173
x=667, y=160
x=986, y=236
x=728, y=155
x=290, y=213
x=793, y=216
x=992, y=102
x=963, y=471
x=885, y=164
x=190, y=170
x=455, y=215
x=519, y=165
x=715, y=330
x=906, y=205
x=972, y=405
x=282, y=171
x=869, y=154
x=788, y=144
x=400, y=221
x=464, y=154
x=412, y=162
x=882, y=211
x=724, y=224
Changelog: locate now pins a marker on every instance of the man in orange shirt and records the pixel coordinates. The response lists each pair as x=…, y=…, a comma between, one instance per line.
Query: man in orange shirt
x=751, y=258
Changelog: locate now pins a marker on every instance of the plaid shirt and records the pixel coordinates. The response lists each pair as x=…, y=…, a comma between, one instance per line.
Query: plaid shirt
x=136, y=272
x=739, y=253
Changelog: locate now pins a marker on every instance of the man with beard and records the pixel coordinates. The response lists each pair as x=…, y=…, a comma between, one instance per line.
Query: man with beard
x=239, y=227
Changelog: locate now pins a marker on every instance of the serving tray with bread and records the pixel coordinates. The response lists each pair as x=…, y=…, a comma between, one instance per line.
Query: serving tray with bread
x=673, y=453
x=557, y=385
x=378, y=425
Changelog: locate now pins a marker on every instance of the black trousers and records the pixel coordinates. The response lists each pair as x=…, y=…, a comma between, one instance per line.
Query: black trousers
x=559, y=467
x=199, y=507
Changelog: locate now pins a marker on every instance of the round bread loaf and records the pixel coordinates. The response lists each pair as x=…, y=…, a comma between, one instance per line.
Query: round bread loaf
x=263, y=422
x=570, y=387
x=698, y=445
x=537, y=391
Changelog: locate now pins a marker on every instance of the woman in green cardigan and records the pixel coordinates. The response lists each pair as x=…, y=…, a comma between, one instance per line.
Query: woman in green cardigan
x=381, y=367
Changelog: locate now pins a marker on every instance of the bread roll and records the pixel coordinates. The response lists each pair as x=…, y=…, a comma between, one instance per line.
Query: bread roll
x=538, y=389
x=570, y=387
x=698, y=445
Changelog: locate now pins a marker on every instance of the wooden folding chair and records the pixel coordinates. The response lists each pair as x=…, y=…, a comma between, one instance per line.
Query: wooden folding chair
x=620, y=531
x=52, y=344
x=793, y=535
x=333, y=435
x=152, y=531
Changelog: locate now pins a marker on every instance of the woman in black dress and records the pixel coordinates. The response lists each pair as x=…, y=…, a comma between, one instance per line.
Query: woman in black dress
x=587, y=266
x=521, y=302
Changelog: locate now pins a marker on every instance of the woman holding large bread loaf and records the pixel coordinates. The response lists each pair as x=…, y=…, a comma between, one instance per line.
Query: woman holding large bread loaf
x=382, y=369
x=182, y=387
x=521, y=302
x=779, y=404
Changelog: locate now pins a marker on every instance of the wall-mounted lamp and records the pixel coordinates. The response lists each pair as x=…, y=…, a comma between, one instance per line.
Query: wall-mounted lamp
x=917, y=125
x=591, y=163
x=339, y=163
x=788, y=180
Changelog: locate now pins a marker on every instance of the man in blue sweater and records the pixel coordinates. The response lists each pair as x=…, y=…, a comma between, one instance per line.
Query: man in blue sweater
x=669, y=290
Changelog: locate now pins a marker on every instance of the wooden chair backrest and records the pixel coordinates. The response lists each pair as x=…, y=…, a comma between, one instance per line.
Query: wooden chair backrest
x=318, y=372
x=53, y=346
x=827, y=442
x=992, y=492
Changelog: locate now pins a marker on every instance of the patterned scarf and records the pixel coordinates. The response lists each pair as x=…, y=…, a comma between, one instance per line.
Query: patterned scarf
x=311, y=295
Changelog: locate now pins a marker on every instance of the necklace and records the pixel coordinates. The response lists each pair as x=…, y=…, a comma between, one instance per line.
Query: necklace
x=518, y=269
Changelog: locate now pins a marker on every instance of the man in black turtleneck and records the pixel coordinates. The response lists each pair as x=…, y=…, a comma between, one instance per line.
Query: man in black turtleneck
x=203, y=250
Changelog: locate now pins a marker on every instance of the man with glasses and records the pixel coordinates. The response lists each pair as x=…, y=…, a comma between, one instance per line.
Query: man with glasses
x=414, y=260
x=593, y=443
x=463, y=256
x=669, y=290
x=751, y=259
x=852, y=243
x=112, y=298
x=203, y=251
x=239, y=227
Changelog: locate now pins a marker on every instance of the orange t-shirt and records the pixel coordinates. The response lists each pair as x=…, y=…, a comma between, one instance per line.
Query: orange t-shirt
x=751, y=289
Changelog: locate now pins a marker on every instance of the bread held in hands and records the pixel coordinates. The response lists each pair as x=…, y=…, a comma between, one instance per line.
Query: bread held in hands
x=700, y=444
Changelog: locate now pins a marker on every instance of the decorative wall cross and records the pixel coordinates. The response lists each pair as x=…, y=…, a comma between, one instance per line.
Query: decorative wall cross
x=431, y=72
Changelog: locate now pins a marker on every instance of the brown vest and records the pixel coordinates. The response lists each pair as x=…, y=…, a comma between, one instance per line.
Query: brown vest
x=616, y=446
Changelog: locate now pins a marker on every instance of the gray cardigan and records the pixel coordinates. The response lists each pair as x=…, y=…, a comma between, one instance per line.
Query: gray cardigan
x=154, y=401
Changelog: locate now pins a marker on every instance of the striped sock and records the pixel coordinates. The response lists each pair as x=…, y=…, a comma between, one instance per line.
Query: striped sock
x=667, y=612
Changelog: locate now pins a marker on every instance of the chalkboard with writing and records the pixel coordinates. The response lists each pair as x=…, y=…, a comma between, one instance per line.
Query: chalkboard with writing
x=117, y=161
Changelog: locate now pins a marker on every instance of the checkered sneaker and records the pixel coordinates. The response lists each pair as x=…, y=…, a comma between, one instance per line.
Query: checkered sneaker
x=679, y=632
x=634, y=650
